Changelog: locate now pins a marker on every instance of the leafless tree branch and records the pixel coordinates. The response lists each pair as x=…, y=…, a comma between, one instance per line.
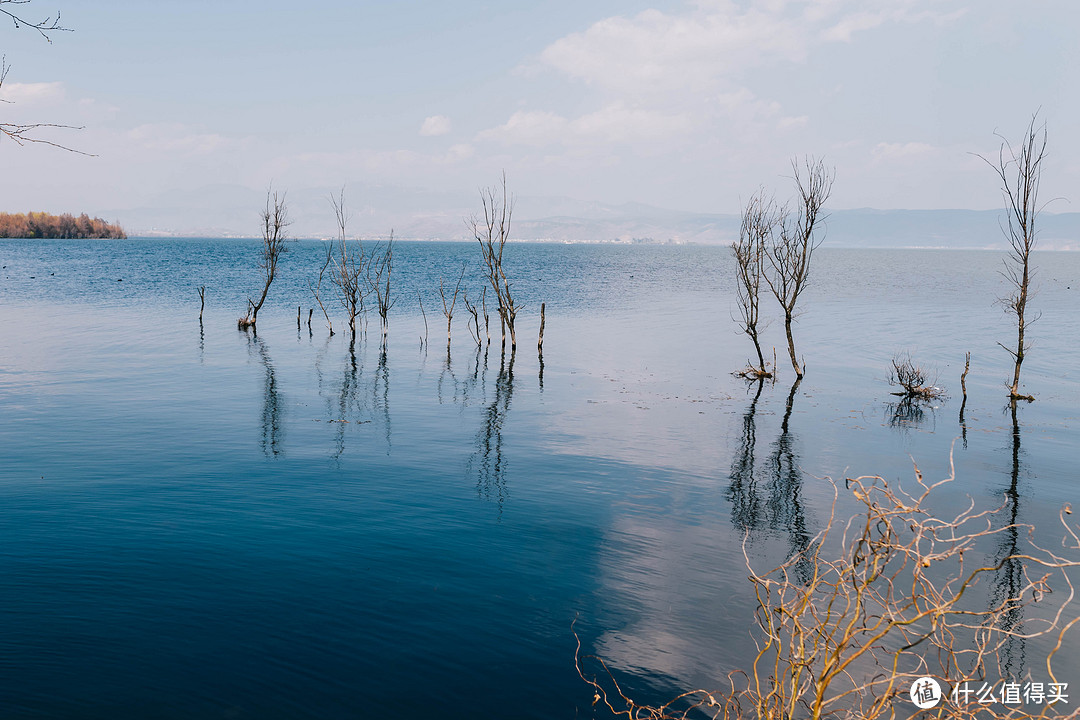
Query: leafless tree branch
x=492, y=233
x=759, y=221
x=275, y=222
x=792, y=248
x=893, y=595
x=51, y=23
x=1020, y=171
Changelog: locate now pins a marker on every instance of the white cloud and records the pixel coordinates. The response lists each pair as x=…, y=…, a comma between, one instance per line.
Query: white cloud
x=654, y=51
x=612, y=123
x=176, y=138
x=528, y=128
x=435, y=125
x=718, y=40
x=898, y=12
x=727, y=80
x=31, y=93
x=891, y=152
x=458, y=152
x=791, y=123
x=617, y=123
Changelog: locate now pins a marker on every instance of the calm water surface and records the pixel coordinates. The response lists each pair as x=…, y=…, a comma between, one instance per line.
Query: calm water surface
x=198, y=522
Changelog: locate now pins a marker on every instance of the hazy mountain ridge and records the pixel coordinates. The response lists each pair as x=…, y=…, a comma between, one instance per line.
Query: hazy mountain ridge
x=375, y=210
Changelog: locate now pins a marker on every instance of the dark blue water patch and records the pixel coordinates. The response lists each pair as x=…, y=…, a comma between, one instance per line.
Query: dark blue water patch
x=280, y=591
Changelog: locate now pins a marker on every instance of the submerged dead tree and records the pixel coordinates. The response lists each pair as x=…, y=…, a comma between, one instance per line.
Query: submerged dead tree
x=275, y=221
x=492, y=233
x=348, y=267
x=448, y=307
x=380, y=266
x=475, y=318
x=759, y=221
x=1020, y=172
x=316, y=289
x=790, y=251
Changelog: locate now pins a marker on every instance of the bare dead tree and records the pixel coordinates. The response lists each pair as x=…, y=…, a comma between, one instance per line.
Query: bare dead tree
x=316, y=289
x=1020, y=172
x=492, y=233
x=483, y=309
x=890, y=598
x=475, y=318
x=275, y=222
x=423, y=340
x=448, y=307
x=756, y=231
x=380, y=266
x=349, y=267
x=792, y=248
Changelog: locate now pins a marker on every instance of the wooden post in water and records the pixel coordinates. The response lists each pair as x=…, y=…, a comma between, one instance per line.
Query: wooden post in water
x=297, y=317
x=202, y=300
x=540, y=341
x=963, y=384
x=421, y=301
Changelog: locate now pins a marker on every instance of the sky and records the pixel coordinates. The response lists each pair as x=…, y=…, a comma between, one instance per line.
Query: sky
x=683, y=105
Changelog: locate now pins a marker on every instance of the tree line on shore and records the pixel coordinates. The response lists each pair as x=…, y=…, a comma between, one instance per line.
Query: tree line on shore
x=63, y=226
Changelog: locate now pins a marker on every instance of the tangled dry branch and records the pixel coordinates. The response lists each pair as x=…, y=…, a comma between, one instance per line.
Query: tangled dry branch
x=846, y=626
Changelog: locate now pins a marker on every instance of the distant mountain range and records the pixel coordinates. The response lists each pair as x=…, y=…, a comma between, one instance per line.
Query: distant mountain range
x=233, y=211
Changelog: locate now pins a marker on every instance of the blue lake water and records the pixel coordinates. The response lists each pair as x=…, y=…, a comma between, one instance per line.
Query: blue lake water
x=200, y=522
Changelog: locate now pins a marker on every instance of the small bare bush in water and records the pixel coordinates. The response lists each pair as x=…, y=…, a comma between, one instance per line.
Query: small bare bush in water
x=845, y=627
x=913, y=381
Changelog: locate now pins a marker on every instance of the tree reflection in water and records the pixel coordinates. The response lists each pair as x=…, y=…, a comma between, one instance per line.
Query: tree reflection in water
x=785, y=507
x=461, y=390
x=272, y=428
x=540, y=374
x=1009, y=580
x=782, y=509
x=344, y=402
x=487, y=460
x=908, y=413
x=746, y=510
x=380, y=391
